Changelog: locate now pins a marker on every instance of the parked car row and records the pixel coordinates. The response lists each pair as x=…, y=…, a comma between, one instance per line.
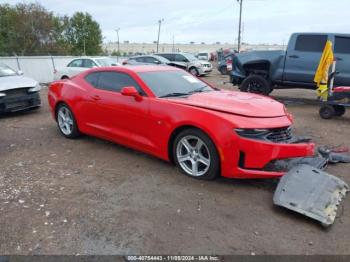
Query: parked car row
x=184, y=61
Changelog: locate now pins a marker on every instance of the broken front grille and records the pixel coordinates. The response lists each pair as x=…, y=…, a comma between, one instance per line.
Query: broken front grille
x=16, y=92
x=280, y=135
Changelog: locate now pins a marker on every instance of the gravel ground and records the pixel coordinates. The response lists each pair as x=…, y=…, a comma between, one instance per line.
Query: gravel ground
x=88, y=196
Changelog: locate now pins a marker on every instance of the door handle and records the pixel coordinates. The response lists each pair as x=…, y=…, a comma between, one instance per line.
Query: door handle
x=293, y=56
x=96, y=97
x=339, y=59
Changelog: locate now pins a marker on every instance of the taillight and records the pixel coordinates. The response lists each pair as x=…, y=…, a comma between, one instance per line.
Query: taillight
x=125, y=62
x=229, y=64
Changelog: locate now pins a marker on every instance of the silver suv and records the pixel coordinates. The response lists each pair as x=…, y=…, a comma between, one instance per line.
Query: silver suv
x=188, y=62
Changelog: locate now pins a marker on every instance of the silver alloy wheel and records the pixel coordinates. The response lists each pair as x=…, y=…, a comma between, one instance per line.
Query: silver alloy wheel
x=65, y=120
x=193, y=155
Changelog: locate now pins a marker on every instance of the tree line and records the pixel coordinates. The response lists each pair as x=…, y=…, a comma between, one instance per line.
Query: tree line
x=30, y=29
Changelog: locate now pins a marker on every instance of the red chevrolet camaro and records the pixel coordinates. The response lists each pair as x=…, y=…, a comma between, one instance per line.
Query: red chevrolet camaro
x=166, y=112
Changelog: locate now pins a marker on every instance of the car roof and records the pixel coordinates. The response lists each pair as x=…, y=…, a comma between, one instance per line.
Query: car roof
x=150, y=68
x=136, y=68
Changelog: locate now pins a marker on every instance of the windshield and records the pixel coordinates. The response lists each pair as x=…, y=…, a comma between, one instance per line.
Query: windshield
x=190, y=57
x=6, y=71
x=106, y=62
x=173, y=83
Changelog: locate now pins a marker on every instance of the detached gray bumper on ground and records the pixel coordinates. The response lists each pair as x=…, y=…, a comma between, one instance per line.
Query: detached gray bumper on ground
x=311, y=192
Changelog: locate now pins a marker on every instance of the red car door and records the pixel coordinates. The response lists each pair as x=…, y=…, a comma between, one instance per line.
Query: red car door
x=111, y=115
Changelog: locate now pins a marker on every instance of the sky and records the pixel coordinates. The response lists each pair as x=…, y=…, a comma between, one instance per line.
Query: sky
x=209, y=21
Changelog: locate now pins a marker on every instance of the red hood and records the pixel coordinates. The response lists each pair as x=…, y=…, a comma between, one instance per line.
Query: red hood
x=238, y=103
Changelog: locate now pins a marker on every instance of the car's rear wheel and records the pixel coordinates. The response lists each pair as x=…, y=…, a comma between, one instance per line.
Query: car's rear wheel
x=196, y=155
x=194, y=71
x=256, y=84
x=64, y=77
x=66, y=121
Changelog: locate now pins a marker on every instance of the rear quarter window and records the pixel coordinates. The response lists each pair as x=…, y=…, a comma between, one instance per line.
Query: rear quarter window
x=92, y=79
x=311, y=43
x=342, y=45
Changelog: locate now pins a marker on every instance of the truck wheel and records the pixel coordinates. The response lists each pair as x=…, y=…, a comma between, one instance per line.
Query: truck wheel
x=339, y=110
x=327, y=111
x=256, y=84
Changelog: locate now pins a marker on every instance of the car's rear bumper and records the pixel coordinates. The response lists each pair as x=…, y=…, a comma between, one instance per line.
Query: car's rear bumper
x=252, y=156
x=19, y=103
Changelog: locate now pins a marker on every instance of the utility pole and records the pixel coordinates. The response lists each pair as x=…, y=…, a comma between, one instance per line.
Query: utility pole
x=160, y=23
x=117, y=30
x=173, y=44
x=84, y=47
x=239, y=25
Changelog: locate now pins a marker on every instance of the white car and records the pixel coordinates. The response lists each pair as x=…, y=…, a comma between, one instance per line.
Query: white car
x=79, y=65
x=17, y=92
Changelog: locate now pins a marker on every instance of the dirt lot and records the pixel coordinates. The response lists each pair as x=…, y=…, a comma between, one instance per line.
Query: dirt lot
x=88, y=196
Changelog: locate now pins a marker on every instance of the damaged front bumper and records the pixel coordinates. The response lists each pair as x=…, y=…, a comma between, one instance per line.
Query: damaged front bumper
x=19, y=103
x=256, y=156
x=312, y=192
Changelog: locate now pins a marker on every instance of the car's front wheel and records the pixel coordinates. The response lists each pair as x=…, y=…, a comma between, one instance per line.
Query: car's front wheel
x=196, y=155
x=194, y=71
x=256, y=84
x=66, y=121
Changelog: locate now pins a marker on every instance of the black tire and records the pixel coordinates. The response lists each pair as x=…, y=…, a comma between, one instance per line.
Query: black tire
x=75, y=130
x=256, y=84
x=327, y=111
x=213, y=169
x=339, y=110
x=64, y=77
x=223, y=70
x=193, y=71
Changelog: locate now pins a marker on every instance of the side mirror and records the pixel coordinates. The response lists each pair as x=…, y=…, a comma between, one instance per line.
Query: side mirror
x=131, y=91
x=157, y=62
x=19, y=72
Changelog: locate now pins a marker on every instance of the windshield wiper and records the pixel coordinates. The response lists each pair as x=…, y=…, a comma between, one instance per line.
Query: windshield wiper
x=198, y=90
x=174, y=94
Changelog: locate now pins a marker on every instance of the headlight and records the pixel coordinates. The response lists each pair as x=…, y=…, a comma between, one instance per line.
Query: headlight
x=36, y=88
x=252, y=133
x=2, y=95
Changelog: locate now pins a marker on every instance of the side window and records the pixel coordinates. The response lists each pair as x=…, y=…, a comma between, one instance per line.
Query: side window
x=139, y=59
x=151, y=60
x=113, y=81
x=92, y=78
x=342, y=45
x=170, y=57
x=88, y=63
x=180, y=58
x=311, y=43
x=76, y=63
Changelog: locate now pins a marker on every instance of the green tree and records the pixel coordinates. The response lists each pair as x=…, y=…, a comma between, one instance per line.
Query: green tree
x=84, y=34
x=29, y=29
